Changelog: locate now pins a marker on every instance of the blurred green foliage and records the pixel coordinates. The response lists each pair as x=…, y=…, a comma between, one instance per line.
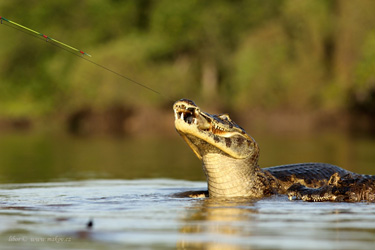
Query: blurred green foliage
x=286, y=54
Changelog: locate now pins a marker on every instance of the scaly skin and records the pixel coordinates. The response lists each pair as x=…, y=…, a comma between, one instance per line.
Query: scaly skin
x=230, y=162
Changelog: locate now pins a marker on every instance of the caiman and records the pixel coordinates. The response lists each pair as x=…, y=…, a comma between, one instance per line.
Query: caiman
x=230, y=163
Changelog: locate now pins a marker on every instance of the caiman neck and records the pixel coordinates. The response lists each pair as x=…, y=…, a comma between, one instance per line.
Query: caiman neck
x=230, y=177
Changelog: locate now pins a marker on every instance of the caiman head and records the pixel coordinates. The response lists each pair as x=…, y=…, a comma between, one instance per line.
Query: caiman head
x=206, y=133
x=228, y=153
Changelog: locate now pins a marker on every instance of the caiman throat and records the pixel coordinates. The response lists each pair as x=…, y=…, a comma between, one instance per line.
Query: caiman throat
x=230, y=163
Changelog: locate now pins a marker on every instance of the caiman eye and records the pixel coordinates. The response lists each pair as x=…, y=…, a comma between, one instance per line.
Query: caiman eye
x=225, y=117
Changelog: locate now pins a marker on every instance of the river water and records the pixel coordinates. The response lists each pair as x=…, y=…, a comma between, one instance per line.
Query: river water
x=53, y=186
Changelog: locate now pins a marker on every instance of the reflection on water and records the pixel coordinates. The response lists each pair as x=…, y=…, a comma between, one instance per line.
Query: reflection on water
x=222, y=218
x=46, y=157
x=129, y=214
x=276, y=223
x=50, y=191
x=39, y=157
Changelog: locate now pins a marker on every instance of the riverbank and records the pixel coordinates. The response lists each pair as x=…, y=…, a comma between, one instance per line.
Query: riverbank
x=145, y=121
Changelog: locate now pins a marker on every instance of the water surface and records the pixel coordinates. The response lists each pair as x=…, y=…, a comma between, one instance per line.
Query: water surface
x=53, y=185
x=145, y=214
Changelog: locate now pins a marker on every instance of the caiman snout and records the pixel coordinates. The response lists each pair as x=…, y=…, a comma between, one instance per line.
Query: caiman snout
x=187, y=114
x=187, y=111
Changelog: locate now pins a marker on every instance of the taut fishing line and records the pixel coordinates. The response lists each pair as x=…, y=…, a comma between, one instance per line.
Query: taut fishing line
x=71, y=50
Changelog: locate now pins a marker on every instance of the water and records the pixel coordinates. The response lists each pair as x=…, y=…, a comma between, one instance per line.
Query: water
x=53, y=185
x=145, y=214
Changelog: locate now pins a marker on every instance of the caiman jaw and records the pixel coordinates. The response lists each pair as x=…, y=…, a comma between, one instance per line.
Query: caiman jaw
x=206, y=133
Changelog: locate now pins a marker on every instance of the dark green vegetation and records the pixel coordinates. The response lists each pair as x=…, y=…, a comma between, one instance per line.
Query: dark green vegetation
x=270, y=56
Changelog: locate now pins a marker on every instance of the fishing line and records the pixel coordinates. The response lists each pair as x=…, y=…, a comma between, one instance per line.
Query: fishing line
x=73, y=51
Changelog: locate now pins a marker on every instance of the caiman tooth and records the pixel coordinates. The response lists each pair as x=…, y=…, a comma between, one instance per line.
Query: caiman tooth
x=182, y=116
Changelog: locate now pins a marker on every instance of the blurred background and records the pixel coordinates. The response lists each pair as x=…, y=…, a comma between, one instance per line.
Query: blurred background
x=299, y=76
